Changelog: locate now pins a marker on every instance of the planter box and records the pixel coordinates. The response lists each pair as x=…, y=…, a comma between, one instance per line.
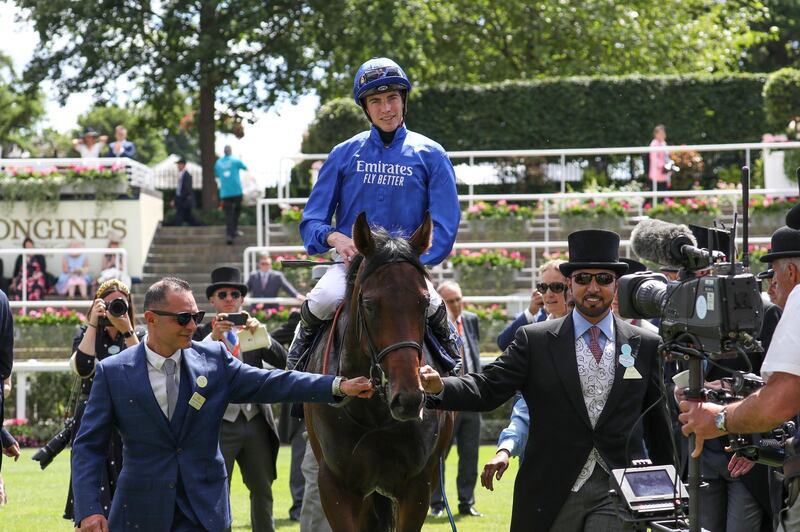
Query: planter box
x=498, y=229
x=701, y=218
x=477, y=280
x=576, y=222
x=292, y=232
x=765, y=223
x=489, y=330
x=44, y=341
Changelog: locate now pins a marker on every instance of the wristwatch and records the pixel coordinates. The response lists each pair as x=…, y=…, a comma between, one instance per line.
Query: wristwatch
x=127, y=334
x=721, y=419
x=337, y=387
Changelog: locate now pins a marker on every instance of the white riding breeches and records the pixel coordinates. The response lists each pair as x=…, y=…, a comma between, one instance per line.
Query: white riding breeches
x=329, y=292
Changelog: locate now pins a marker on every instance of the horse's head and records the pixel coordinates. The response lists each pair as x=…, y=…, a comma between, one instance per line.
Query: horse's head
x=390, y=297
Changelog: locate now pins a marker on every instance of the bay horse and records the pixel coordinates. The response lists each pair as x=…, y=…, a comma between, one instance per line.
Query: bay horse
x=379, y=458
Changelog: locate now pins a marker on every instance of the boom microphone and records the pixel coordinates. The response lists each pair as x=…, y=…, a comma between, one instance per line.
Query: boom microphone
x=661, y=242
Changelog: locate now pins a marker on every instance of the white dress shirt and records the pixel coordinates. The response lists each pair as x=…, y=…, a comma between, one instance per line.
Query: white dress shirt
x=158, y=379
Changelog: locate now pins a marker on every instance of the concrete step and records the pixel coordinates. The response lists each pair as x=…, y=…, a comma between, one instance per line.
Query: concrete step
x=189, y=267
x=205, y=230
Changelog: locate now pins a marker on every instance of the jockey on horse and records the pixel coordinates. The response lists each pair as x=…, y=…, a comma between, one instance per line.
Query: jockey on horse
x=393, y=175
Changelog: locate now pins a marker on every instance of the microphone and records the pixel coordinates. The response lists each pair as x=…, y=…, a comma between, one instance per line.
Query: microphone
x=669, y=245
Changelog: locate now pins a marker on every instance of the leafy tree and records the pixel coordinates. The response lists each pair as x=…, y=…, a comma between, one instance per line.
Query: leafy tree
x=231, y=57
x=782, y=48
x=48, y=142
x=21, y=108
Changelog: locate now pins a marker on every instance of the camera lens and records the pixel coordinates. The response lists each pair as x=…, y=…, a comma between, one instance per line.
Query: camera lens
x=118, y=307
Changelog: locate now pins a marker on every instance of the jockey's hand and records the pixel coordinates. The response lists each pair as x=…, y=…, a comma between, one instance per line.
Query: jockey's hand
x=357, y=387
x=344, y=245
x=430, y=379
x=94, y=523
x=494, y=467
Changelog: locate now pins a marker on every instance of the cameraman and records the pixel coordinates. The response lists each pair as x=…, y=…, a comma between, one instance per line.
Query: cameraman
x=779, y=399
x=105, y=334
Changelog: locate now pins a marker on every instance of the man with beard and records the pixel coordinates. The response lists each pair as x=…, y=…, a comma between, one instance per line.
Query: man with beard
x=588, y=377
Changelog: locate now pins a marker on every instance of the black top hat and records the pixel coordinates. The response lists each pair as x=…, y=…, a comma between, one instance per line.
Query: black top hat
x=712, y=239
x=793, y=217
x=669, y=269
x=593, y=249
x=634, y=265
x=226, y=277
x=785, y=244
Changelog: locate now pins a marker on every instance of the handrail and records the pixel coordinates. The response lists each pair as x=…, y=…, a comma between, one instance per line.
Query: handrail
x=23, y=369
x=139, y=175
x=24, y=303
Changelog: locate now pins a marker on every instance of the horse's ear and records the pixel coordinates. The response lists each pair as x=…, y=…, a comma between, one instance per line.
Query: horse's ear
x=422, y=239
x=362, y=235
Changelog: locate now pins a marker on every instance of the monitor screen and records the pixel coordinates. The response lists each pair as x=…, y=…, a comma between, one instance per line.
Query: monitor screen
x=650, y=483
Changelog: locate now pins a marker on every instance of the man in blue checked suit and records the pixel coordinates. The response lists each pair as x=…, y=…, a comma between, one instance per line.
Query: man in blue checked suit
x=166, y=398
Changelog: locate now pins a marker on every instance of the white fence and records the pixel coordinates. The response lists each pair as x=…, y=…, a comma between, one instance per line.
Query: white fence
x=139, y=175
x=121, y=263
x=23, y=370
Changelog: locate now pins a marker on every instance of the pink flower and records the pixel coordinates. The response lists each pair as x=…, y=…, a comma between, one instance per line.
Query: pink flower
x=502, y=202
x=474, y=209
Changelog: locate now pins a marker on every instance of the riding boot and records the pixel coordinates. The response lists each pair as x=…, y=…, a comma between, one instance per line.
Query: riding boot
x=306, y=331
x=445, y=333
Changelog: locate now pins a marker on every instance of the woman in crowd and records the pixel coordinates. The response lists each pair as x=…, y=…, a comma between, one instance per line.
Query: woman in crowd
x=74, y=273
x=104, y=335
x=35, y=275
x=91, y=145
x=552, y=286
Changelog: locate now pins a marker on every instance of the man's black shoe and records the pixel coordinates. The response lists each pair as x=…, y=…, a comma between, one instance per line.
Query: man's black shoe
x=468, y=509
x=437, y=512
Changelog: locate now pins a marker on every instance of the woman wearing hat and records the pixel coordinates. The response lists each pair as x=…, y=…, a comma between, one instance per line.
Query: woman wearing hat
x=91, y=145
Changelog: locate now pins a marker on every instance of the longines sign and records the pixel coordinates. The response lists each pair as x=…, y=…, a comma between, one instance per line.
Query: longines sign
x=62, y=229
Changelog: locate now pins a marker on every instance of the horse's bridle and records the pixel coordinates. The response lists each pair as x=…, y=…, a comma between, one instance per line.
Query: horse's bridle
x=376, y=374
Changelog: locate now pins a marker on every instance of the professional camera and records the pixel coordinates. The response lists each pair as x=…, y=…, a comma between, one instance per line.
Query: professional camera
x=117, y=308
x=717, y=314
x=57, y=443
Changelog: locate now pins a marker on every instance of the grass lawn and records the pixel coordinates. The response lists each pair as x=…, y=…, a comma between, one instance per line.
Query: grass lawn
x=36, y=498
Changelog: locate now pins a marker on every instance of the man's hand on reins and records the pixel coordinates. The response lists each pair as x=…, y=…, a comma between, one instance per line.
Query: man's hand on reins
x=357, y=387
x=344, y=246
x=430, y=379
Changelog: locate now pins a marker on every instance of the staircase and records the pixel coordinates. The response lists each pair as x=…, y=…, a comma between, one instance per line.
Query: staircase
x=191, y=253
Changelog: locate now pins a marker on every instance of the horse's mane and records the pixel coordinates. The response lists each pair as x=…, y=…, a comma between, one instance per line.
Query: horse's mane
x=388, y=249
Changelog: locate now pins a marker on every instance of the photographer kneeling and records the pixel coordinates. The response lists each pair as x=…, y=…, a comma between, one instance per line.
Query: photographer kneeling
x=779, y=399
x=108, y=331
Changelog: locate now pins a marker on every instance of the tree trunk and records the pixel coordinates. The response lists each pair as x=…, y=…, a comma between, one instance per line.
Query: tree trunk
x=207, y=129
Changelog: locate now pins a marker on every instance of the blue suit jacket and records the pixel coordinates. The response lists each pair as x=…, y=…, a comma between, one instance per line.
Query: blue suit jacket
x=178, y=461
x=505, y=338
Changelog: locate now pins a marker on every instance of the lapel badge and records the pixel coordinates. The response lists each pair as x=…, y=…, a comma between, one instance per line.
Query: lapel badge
x=202, y=381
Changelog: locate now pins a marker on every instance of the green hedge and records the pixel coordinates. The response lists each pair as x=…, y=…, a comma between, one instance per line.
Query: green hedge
x=782, y=97
x=575, y=112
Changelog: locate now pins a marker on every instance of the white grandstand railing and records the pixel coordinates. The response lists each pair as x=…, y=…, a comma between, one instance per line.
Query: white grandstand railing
x=139, y=175
x=550, y=202
x=122, y=264
x=23, y=370
x=439, y=271
x=561, y=154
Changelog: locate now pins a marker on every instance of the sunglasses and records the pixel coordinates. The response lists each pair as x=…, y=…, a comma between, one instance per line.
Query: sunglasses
x=224, y=295
x=556, y=288
x=183, y=318
x=378, y=73
x=603, y=278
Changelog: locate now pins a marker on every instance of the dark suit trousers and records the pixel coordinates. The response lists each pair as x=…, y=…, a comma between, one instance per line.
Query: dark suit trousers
x=297, y=481
x=233, y=208
x=590, y=509
x=247, y=442
x=184, y=214
x=467, y=436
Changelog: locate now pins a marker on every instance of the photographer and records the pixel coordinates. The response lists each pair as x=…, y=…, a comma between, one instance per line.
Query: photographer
x=108, y=331
x=779, y=399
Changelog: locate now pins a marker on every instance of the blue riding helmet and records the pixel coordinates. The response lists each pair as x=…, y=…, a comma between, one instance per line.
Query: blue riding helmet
x=379, y=74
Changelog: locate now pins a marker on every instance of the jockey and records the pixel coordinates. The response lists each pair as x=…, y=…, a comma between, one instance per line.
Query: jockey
x=392, y=174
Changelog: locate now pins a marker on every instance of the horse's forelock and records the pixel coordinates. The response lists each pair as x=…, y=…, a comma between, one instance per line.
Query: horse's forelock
x=388, y=249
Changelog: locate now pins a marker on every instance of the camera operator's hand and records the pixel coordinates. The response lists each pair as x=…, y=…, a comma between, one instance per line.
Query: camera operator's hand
x=122, y=324
x=12, y=451
x=494, y=468
x=698, y=418
x=221, y=326
x=251, y=324
x=431, y=380
x=97, y=311
x=94, y=523
x=739, y=465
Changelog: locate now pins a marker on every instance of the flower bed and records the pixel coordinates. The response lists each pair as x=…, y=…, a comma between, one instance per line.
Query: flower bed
x=498, y=221
x=768, y=214
x=290, y=219
x=486, y=271
x=46, y=333
x=39, y=186
x=698, y=211
x=492, y=319
x=578, y=214
x=756, y=252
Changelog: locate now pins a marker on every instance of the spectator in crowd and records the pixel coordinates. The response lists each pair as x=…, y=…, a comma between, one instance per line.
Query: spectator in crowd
x=467, y=428
x=9, y=445
x=35, y=275
x=74, y=273
x=248, y=435
x=266, y=282
x=6, y=350
x=91, y=145
x=104, y=335
x=552, y=289
x=3, y=281
x=658, y=159
x=230, y=191
x=121, y=147
x=548, y=299
x=184, y=200
x=166, y=397
x=113, y=265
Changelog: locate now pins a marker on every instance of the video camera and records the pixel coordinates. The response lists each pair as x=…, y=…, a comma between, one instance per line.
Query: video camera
x=650, y=497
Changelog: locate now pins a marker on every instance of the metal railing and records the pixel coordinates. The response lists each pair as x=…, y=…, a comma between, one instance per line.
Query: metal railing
x=561, y=154
x=551, y=203
x=23, y=370
x=121, y=263
x=139, y=175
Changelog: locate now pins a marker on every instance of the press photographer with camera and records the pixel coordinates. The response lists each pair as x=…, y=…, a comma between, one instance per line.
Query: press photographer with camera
x=779, y=399
x=108, y=330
